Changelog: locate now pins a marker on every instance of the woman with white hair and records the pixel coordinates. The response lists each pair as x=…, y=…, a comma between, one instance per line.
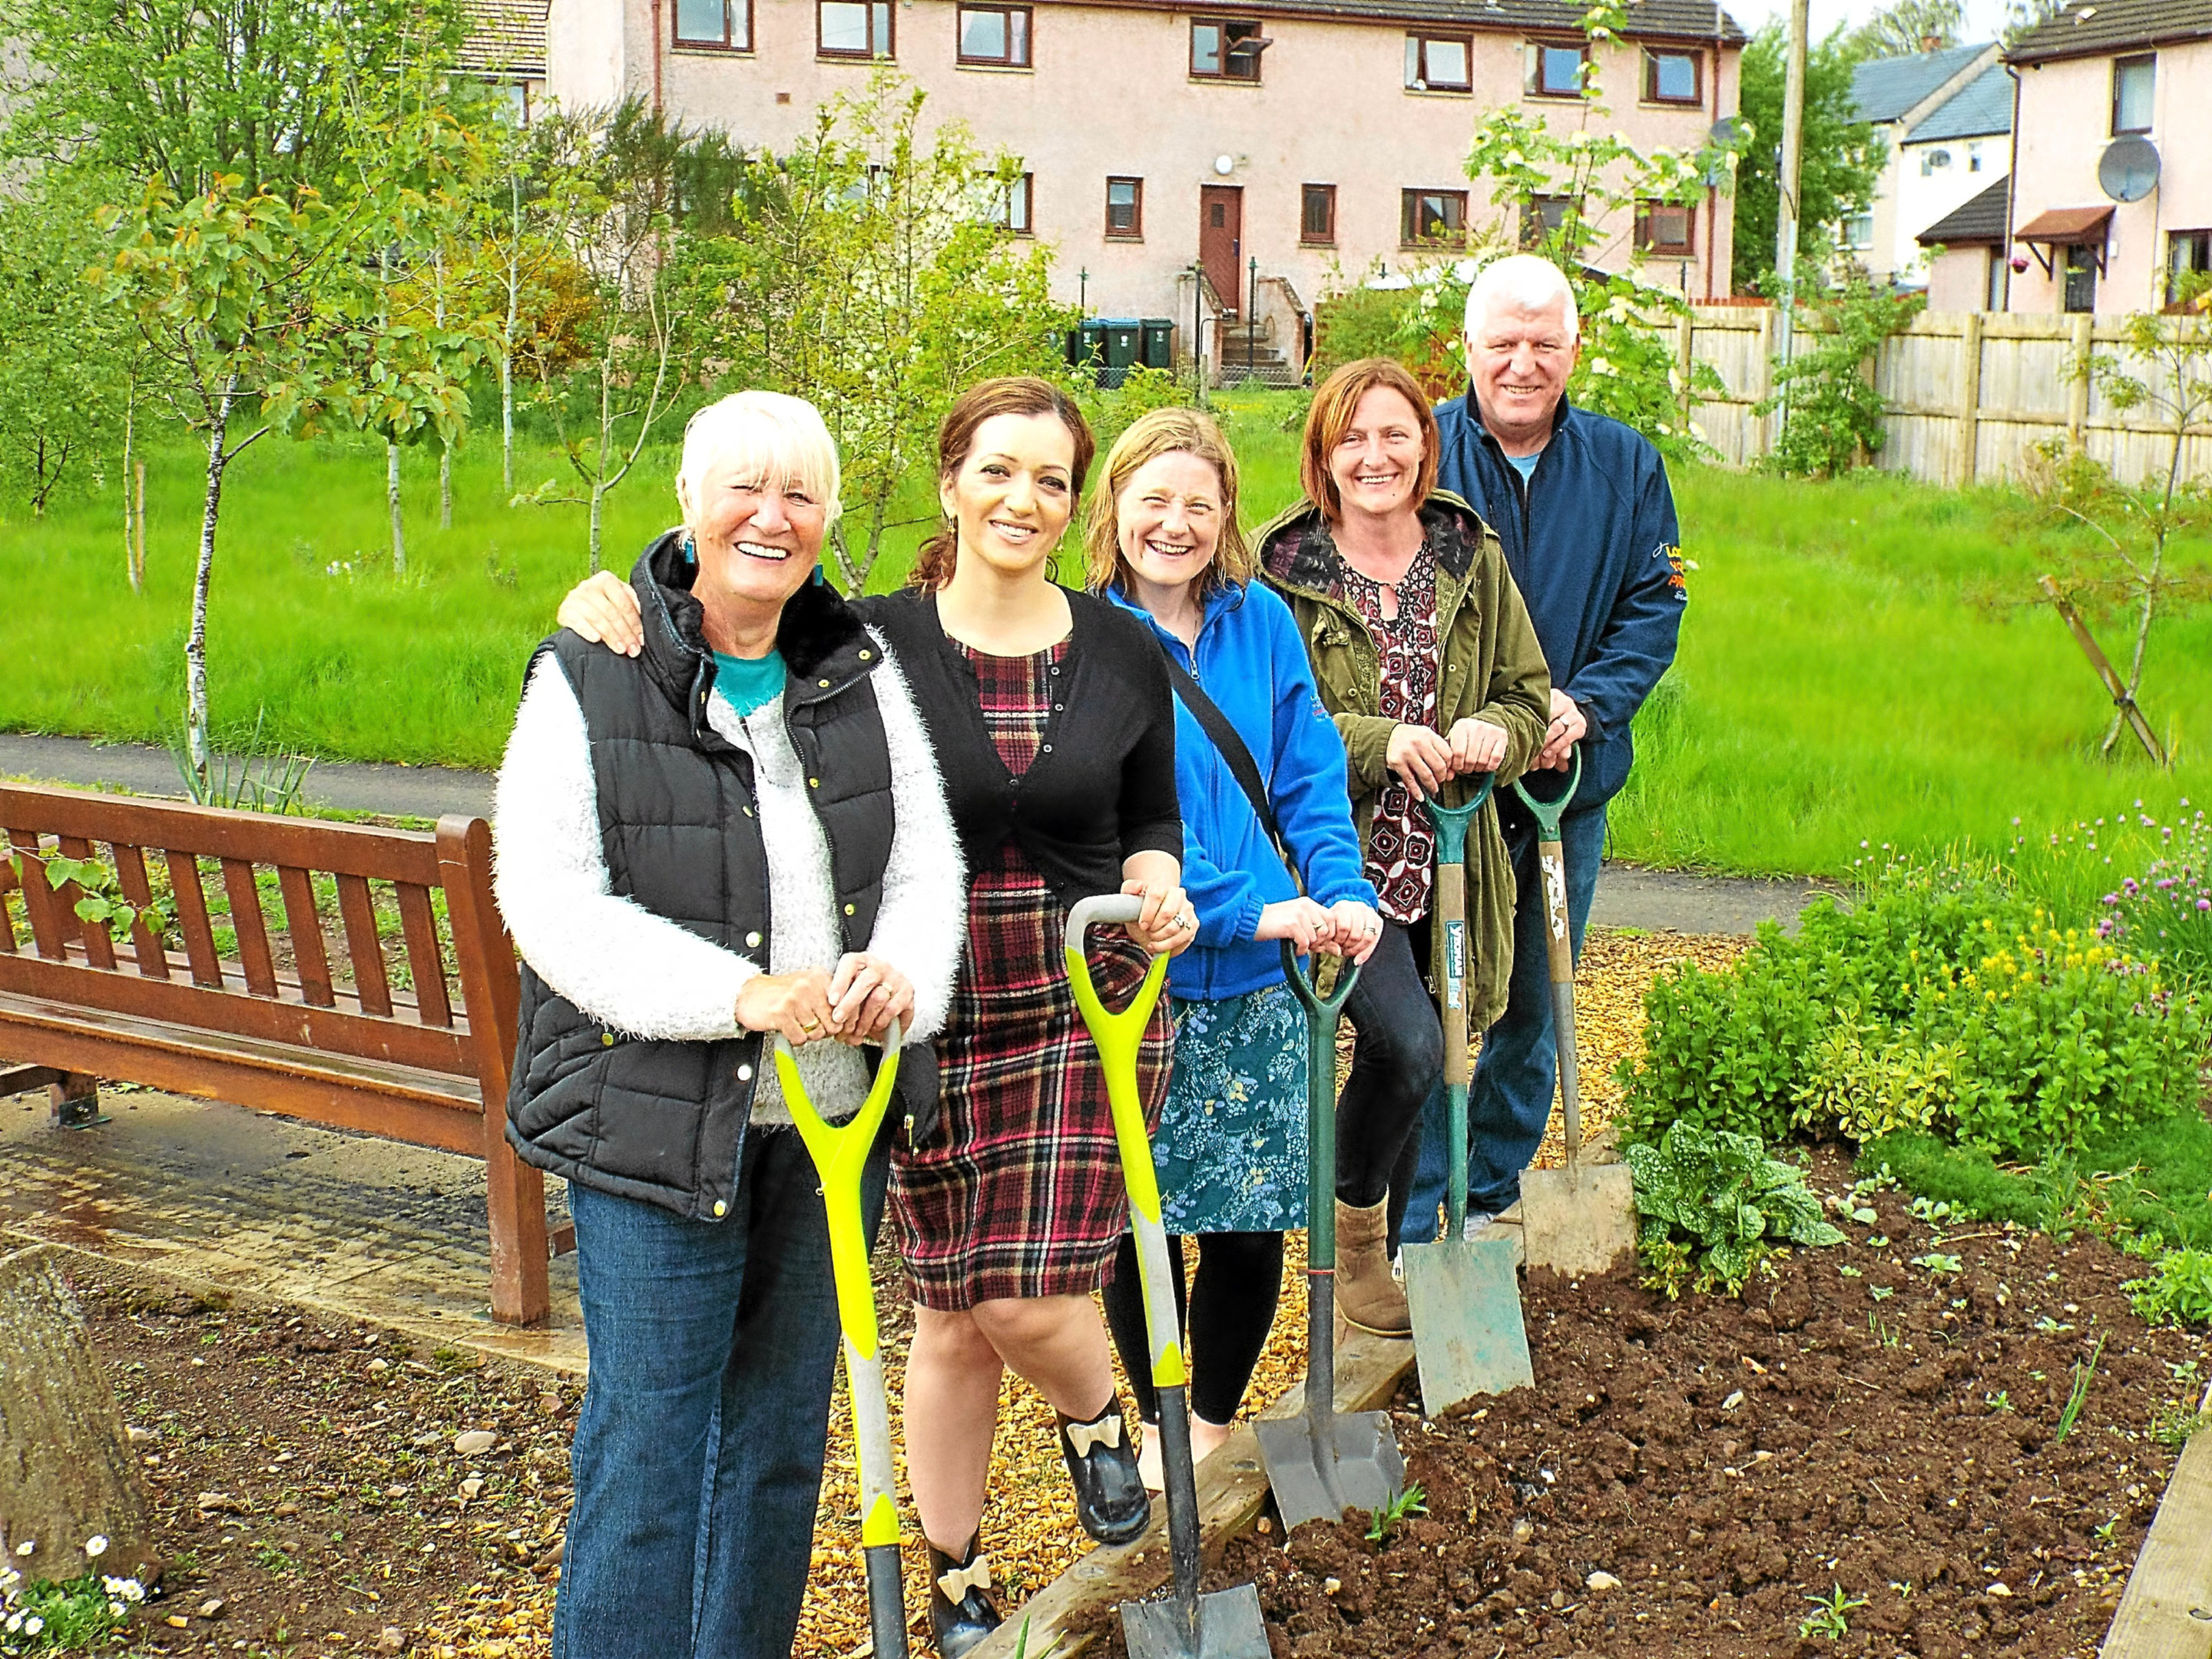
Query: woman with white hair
x=762, y=739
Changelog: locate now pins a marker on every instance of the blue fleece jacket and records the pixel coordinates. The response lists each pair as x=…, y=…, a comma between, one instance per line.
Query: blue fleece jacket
x=1252, y=664
x=1593, y=546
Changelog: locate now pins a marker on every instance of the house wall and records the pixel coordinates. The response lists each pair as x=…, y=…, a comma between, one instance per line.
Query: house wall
x=1110, y=94
x=2065, y=126
x=1959, y=278
x=1922, y=198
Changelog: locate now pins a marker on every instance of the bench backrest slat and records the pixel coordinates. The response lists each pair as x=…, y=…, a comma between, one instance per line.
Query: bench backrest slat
x=311, y=964
x=423, y=958
x=130, y=876
x=193, y=917
x=38, y=906
x=252, y=931
x=7, y=885
x=359, y=911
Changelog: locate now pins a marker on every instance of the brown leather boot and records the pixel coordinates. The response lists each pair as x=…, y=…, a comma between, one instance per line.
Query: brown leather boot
x=1366, y=1294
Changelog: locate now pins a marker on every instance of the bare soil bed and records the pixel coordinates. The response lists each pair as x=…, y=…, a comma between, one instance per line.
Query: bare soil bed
x=303, y=1471
x=1690, y=1478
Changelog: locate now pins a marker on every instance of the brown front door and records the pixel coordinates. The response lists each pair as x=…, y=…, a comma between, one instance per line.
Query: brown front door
x=1221, y=242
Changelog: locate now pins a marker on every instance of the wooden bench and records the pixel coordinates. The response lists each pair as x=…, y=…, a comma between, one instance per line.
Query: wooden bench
x=407, y=1032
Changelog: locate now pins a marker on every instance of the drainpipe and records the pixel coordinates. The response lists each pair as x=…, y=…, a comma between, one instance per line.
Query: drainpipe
x=656, y=57
x=2012, y=190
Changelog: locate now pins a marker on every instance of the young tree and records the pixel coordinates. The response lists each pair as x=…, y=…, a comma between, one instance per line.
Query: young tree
x=1905, y=27
x=2163, y=369
x=189, y=89
x=1843, y=156
x=873, y=272
x=64, y=355
x=612, y=197
x=1835, y=421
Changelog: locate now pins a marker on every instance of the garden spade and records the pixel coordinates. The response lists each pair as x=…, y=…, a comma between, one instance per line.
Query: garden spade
x=840, y=1154
x=1580, y=1219
x=1468, y=1336
x=1323, y=1461
x=1225, y=1625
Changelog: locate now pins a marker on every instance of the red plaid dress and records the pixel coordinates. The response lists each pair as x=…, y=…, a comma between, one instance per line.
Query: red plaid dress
x=1020, y=1192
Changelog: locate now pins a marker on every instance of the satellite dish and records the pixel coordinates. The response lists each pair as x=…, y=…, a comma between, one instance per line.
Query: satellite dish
x=2129, y=169
x=1727, y=133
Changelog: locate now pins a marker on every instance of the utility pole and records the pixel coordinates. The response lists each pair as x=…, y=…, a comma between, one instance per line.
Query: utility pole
x=1793, y=157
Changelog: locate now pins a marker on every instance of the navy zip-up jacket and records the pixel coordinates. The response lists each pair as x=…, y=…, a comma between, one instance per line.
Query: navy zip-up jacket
x=1594, y=547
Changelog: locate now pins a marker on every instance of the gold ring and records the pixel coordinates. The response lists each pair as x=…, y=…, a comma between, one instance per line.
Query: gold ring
x=810, y=1025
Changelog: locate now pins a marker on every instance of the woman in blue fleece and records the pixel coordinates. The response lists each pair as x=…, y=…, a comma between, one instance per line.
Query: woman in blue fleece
x=1164, y=542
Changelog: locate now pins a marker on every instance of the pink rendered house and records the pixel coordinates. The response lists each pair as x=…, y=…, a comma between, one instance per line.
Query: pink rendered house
x=2111, y=178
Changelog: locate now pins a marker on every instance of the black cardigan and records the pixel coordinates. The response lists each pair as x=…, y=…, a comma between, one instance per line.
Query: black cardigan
x=1103, y=785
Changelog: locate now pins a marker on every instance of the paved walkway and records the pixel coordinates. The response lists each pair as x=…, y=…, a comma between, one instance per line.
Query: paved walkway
x=1626, y=896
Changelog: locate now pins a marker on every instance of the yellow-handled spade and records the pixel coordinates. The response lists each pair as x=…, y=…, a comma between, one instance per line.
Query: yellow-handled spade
x=840, y=1155
x=1225, y=1625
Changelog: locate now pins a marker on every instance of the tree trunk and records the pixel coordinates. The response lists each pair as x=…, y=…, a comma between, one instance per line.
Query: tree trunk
x=130, y=548
x=68, y=1476
x=507, y=423
x=444, y=483
x=599, y=495
x=391, y=501
x=196, y=691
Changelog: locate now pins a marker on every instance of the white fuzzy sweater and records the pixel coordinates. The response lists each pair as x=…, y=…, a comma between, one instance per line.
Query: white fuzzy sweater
x=652, y=977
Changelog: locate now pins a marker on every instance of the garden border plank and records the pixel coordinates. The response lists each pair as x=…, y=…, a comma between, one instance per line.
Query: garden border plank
x=2166, y=1612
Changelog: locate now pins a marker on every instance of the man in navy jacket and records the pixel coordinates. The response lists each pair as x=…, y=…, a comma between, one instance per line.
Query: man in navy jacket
x=1582, y=507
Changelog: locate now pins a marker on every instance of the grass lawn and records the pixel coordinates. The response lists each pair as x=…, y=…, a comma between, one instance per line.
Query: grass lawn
x=1839, y=681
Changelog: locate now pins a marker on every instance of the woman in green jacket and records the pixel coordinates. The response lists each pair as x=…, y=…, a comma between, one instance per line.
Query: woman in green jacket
x=1424, y=654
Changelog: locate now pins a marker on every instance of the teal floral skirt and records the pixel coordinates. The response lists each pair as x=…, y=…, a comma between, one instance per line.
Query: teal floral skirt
x=1231, y=1145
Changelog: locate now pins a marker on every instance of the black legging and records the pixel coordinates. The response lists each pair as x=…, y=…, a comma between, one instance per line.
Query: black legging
x=1397, y=1057
x=1229, y=1311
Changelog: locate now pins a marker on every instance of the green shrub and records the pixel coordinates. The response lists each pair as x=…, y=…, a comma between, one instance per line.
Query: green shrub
x=1714, y=1206
x=2179, y=1292
x=1942, y=1002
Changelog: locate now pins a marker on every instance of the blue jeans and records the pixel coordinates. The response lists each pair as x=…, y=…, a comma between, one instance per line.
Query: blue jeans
x=1516, y=1075
x=698, y=1456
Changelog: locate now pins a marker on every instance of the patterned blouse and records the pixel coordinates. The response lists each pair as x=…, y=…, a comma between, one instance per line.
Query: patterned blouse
x=1401, y=844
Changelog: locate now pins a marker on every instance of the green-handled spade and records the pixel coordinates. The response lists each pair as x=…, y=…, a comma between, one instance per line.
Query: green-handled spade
x=1581, y=1219
x=840, y=1155
x=1225, y=1625
x=1323, y=1461
x=1469, y=1335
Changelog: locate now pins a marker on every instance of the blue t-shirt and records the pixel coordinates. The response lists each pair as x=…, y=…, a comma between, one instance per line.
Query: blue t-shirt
x=746, y=683
x=1526, y=465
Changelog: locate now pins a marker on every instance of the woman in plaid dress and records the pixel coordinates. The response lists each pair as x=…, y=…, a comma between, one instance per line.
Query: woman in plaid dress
x=1055, y=735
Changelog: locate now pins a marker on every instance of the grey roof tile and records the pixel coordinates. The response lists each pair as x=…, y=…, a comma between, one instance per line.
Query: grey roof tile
x=2098, y=27
x=1981, y=107
x=1887, y=88
x=1982, y=219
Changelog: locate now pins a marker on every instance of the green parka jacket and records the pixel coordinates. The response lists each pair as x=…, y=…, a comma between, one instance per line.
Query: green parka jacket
x=1492, y=669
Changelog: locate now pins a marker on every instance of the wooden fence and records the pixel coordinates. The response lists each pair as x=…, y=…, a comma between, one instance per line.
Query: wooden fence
x=1968, y=394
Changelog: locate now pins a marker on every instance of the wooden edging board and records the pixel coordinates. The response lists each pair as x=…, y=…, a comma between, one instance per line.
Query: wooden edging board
x=2166, y=1612
x=1232, y=1489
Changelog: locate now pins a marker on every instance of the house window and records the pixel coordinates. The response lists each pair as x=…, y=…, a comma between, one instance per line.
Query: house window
x=2186, y=251
x=1225, y=51
x=1431, y=215
x=1555, y=69
x=1439, y=63
x=2133, y=81
x=2081, y=278
x=854, y=28
x=997, y=35
x=1007, y=202
x=1994, y=299
x=1974, y=158
x=1544, y=219
x=1858, y=232
x=1125, y=208
x=1663, y=228
x=1674, y=77
x=1934, y=162
x=1317, y=215
x=727, y=24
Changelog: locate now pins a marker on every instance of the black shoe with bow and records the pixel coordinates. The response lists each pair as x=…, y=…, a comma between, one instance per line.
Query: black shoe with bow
x=1110, y=1500
x=961, y=1611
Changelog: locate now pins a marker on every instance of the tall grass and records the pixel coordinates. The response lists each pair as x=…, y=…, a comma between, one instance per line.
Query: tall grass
x=1840, y=680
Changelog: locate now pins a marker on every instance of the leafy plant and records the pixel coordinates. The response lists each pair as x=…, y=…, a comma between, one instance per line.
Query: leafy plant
x=2179, y=1292
x=1382, y=1522
x=1724, y=1202
x=43, y=1616
x=1833, y=414
x=2078, y=1397
x=1830, y=1615
x=99, y=898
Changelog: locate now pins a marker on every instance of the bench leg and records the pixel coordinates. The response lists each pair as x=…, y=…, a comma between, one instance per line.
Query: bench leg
x=517, y=1201
x=75, y=1100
